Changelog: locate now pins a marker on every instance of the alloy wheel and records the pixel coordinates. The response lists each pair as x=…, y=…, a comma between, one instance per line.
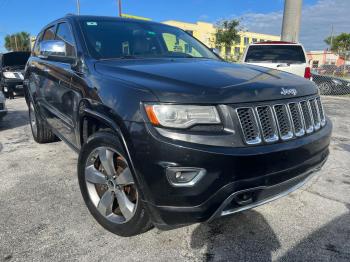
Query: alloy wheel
x=325, y=88
x=110, y=185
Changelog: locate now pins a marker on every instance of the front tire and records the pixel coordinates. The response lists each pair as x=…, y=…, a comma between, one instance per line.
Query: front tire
x=325, y=88
x=6, y=94
x=108, y=188
x=41, y=132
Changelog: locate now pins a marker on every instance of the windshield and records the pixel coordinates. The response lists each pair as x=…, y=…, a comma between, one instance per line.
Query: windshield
x=15, y=59
x=275, y=54
x=109, y=39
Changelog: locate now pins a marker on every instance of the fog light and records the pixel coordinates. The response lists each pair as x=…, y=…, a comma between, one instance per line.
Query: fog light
x=184, y=176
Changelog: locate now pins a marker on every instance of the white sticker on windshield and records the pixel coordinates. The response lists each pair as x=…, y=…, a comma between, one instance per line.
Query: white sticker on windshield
x=91, y=23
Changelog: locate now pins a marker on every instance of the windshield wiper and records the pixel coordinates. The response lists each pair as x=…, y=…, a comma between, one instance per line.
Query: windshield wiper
x=120, y=57
x=128, y=57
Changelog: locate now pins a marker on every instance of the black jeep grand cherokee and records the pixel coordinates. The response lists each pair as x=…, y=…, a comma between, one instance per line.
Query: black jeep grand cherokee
x=167, y=133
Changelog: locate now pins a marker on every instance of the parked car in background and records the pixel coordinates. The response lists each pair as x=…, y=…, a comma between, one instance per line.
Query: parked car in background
x=343, y=70
x=330, y=85
x=12, y=66
x=167, y=133
x=284, y=56
x=3, y=110
x=326, y=69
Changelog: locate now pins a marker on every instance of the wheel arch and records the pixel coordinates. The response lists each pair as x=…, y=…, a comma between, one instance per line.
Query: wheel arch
x=96, y=114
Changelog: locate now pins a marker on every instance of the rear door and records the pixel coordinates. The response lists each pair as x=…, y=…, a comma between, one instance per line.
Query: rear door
x=288, y=58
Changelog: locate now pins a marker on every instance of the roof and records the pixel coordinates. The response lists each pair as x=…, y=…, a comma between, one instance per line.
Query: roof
x=107, y=18
x=275, y=43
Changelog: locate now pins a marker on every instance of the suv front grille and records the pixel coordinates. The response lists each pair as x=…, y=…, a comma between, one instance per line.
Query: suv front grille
x=283, y=121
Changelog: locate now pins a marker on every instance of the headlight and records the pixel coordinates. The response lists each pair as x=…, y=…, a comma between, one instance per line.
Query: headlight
x=9, y=75
x=181, y=116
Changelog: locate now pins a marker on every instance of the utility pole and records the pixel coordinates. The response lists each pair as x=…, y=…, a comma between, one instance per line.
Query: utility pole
x=291, y=20
x=78, y=6
x=120, y=7
x=330, y=49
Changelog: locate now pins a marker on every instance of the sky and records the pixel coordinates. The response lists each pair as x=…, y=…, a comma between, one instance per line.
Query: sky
x=263, y=16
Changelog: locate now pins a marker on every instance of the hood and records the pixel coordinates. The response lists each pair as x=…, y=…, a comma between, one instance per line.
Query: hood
x=206, y=81
x=15, y=59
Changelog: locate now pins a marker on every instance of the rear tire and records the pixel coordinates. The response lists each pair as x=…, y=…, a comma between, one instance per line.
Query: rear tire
x=42, y=134
x=108, y=188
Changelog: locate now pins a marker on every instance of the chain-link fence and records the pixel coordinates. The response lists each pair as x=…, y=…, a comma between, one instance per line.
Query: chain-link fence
x=332, y=79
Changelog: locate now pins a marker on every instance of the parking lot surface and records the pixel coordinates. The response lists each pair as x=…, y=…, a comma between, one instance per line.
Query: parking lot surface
x=43, y=217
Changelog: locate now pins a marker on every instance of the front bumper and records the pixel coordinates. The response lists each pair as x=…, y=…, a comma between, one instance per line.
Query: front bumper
x=266, y=172
x=3, y=113
x=3, y=110
x=14, y=85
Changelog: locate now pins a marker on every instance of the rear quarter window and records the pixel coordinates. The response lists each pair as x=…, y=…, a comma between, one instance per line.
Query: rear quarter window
x=275, y=54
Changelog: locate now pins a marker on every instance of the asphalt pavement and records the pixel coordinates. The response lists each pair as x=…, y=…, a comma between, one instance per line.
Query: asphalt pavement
x=43, y=216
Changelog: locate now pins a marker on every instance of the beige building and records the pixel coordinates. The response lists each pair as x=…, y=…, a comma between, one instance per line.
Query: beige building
x=205, y=32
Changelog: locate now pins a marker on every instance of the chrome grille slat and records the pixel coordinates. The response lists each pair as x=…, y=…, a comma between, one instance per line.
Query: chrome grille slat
x=321, y=111
x=315, y=114
x=308, y=120
x=249, y=125
x=267, y=123
x=297, y=119
x=284, y=122
x=270, y=123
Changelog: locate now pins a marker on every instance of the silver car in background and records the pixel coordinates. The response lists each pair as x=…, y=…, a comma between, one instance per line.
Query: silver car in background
x=3, y=110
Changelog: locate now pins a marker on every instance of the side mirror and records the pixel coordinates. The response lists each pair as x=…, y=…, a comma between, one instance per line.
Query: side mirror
x=55, y=50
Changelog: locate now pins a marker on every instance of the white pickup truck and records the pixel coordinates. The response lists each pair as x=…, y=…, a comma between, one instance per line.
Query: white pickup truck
x=284, y=56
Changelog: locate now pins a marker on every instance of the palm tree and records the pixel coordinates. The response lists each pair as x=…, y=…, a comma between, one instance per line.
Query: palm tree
x=18, y=42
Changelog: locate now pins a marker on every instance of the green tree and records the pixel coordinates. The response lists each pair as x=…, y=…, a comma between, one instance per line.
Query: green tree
x=18, y=42
x=339, y=44
x=227, y=33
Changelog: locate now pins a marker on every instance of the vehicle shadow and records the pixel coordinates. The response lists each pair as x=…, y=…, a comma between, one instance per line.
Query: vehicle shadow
x=329, y=243
x=14, y=119
x=246, y=236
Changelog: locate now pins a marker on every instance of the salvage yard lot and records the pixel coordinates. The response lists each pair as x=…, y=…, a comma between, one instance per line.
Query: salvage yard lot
x=43, y=217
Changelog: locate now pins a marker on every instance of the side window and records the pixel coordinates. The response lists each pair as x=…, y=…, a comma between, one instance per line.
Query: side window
x=49, y=33
x=64, y=34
